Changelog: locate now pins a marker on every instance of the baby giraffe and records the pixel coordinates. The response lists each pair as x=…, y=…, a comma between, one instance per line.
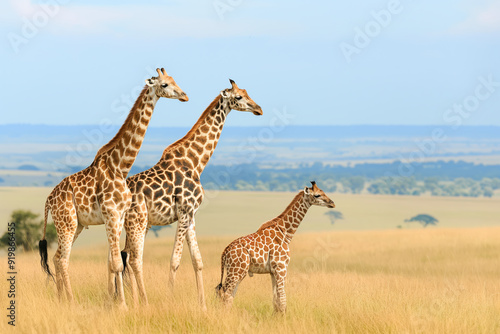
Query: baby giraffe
x=266, y=251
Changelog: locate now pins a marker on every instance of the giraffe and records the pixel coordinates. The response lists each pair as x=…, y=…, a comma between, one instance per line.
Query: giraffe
x=267, y=250
x=99, y=194
x=171, y=190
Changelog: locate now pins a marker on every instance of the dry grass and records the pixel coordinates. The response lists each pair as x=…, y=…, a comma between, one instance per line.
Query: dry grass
x=403, y=281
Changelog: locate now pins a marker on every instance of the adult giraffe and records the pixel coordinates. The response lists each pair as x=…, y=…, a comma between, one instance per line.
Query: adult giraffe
x=171, y=190
x=99, y=194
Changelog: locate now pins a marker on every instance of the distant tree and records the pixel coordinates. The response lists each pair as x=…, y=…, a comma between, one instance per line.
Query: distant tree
x=243, y=185
x=431, y=183
x=464, y=182
x=487, y=192
x=329, y=185
x=423, y=219
x=28, y=230
x=354, y=183
x=156, y=228
x=401, y=185
x=488, y=186
x=378, y=186
x=261, y=186
x=495, y=183
x=475, y=190
x=334, y=216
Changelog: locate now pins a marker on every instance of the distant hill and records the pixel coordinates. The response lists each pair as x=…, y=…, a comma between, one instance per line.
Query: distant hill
x=43, y=154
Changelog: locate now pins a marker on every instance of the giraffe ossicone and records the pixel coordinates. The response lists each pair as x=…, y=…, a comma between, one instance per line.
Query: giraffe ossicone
x=99, y=194
x=267, y=250
x=171, y=191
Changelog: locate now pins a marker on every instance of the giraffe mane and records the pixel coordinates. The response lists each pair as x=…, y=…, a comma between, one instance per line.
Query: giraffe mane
x=269, y=223
x=274, y=221
x=196, y=125
x=124, y=126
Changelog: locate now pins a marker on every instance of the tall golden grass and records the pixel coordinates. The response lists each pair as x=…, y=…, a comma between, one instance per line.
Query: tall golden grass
x=400, y=281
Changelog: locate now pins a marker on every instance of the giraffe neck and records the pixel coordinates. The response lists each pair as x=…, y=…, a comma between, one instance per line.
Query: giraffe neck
x=199, y=143
x=293, y=215
x=121, y=151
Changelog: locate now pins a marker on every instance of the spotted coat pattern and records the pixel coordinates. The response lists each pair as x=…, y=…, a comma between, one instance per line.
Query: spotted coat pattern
x=171, y=190
x=99, y=193
x=267, y=250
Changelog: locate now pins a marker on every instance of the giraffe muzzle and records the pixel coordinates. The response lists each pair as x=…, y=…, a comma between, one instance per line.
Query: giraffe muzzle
x=257, y=111
x=183, y=97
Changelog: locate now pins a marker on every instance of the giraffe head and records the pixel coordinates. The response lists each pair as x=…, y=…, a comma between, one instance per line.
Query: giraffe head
x=165, y=86
x=317, y=196
x=238, y=99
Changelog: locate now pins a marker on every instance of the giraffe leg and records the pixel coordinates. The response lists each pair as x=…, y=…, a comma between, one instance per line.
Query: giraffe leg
x=230, y=286
x=180, y=235
x=128, y=275
x=59, y=281
x=114, y=224
x=111, y=279
x=135, y=246
x=237, y=269
x=66, y=226
x=197, y=263
x=275, y=292
x=79, y=230
x=279, y=274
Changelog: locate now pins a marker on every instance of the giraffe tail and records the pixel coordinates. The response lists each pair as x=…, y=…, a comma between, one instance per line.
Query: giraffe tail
x=218, y=288
x=124, y=260
x=124, y=256
x=42, y=244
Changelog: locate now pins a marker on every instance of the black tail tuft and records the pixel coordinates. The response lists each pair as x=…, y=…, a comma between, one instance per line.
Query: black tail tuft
x=124, y=260
x=218, y=289
x=42, y=248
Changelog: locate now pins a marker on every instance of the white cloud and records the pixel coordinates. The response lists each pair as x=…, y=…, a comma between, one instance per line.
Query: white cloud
x=178, y=19
x=482, y=20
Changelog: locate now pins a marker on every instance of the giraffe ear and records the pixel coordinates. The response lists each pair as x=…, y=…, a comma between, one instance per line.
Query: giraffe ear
x=224, y=93
x=150, y=82
x=306, y=191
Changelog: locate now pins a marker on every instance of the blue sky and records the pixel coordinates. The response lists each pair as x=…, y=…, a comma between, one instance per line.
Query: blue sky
x=414, y=61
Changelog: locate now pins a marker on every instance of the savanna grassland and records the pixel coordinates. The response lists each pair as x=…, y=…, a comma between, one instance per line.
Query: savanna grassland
x=377, y=279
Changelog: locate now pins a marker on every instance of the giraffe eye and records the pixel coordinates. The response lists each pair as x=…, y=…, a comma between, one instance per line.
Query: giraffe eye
x=238, y=97
x=317, y=196
x=164, y=85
